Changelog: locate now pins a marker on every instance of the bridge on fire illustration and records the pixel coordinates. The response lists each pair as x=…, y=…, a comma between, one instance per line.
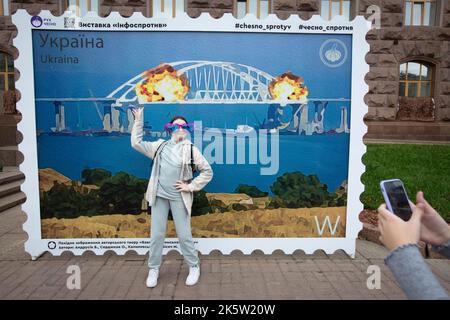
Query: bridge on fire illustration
x=210, y=82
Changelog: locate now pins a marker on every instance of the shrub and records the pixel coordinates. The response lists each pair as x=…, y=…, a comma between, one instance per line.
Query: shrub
x=63, y=201
x=295, y=190
x=341, y=194
x=122, y=193
x=251, y=191
x=95, y=176
x=200, y=204
x=238, y=207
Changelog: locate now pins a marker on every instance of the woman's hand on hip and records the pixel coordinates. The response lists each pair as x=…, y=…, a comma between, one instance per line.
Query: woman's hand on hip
x=182, y=186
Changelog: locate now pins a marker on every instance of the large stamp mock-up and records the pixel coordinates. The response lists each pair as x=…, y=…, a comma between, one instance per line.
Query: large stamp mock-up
x=277, y=107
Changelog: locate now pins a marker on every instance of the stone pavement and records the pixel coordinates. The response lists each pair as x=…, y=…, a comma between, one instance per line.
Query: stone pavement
x=236, y=276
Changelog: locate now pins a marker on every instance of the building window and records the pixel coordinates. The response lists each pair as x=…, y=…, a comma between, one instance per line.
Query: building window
x=82, y=7
x=7, y=92
x=4, y=7
x=6, y=72
x=240, y=8
x=263, y=8
x=420, y=12
x=259, y=8
x=165, y=7
x=416, y=79
x=331, y=8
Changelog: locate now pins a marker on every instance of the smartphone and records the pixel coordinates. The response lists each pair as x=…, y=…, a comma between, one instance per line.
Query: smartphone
x=396, y=198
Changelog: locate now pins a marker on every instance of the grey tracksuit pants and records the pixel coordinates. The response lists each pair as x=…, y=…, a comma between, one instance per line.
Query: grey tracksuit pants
x=181, y=218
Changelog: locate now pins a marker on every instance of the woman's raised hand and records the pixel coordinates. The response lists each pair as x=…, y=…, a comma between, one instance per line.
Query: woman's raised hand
x=137, y=112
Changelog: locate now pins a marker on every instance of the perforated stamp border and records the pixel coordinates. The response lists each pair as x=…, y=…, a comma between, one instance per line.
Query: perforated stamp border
x=358, y=27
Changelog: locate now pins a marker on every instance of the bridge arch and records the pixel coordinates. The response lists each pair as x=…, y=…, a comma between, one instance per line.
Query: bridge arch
x=210, y=82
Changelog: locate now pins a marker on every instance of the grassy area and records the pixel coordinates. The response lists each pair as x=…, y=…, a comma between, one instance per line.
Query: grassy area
x=421, y=168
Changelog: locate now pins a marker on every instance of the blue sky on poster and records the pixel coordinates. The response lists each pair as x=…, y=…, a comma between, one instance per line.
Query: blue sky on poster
x=126, y=54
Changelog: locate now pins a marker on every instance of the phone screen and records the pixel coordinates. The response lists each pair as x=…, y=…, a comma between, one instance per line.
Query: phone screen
x=398, y=199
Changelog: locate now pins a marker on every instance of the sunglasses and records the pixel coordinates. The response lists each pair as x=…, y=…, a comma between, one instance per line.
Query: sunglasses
x=172, y=127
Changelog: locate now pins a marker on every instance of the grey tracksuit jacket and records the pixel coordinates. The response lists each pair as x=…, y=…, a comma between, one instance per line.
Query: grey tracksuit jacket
x=149, y=149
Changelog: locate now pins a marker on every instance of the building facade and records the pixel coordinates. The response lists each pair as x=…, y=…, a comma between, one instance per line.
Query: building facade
x=409, y=58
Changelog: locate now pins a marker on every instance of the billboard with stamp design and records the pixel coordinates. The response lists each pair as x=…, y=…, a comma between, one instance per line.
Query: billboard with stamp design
x=277, y=107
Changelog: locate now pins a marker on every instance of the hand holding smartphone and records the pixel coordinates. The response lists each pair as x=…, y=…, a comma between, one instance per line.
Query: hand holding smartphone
x=396, y=198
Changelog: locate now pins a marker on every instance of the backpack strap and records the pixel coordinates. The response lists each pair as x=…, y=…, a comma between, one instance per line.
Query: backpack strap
x=192, y=158
x=159, y=147
x=192, y=154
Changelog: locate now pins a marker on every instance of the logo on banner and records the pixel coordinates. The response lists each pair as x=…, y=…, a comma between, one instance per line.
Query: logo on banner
x=36, y=21
x=333, y=53
x=51, y=245
x=69, y=22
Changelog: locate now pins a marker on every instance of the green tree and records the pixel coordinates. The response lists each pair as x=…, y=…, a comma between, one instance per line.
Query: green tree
x=341, y=194
x=122, y=193
x=63, y=201
x=251, y=191
x=295, y=190
x=95, y=176
x=200, y=204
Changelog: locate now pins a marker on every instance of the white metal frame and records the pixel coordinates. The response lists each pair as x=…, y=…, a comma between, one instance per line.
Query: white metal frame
x=35, y=245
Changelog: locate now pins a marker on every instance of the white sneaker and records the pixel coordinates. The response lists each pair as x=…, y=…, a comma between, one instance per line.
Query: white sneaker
x=152, y=278
x=194, y=274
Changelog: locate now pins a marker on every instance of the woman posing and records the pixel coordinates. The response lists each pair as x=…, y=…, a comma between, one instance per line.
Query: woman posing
x=171, y=186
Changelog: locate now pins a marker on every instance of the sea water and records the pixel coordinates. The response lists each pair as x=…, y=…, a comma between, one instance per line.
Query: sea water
x=323, y=155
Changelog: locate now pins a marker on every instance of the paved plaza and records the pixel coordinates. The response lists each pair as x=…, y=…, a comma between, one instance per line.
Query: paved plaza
x=235, y=276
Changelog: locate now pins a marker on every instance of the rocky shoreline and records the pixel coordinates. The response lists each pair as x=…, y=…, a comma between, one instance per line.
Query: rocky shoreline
x=256, y=223
x=233, y=215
